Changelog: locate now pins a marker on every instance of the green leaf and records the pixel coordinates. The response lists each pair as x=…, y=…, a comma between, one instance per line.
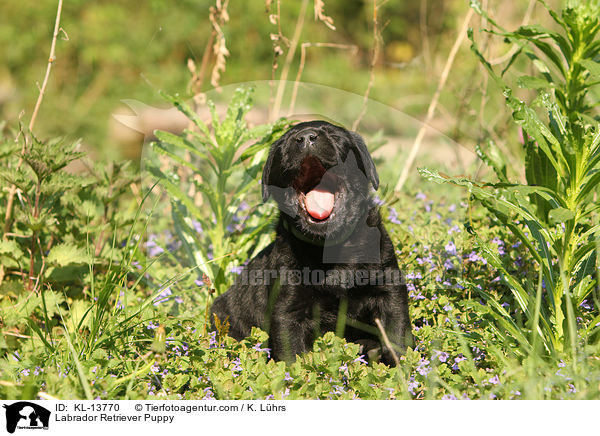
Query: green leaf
x=11, y=249
x=180, y=142
x=493, y=158
x=187, y=111
x=592, y=66
x=530, y=82
x=66, y=254
x=560, y=215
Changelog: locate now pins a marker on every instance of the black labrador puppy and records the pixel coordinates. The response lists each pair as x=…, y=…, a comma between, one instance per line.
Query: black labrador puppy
x=332, y=266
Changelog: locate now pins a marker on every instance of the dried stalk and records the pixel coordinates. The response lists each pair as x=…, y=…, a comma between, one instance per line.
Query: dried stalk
x=219, y=16
x=288, y=61
x=13, y=189
x=374, y=57
x=387, y=342
x=48, y=68
x=432, y=106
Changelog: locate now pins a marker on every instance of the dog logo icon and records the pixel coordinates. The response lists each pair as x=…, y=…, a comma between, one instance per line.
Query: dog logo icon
x=26, y=415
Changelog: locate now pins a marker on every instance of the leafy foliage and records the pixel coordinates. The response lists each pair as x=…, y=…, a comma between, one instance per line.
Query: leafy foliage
x=553, y=214
x=216, y=164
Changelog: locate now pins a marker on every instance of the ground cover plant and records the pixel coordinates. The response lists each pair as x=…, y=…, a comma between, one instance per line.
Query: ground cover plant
x=107, y=277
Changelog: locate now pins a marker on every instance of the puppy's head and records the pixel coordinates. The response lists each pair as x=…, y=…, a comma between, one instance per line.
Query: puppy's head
x=319, y=174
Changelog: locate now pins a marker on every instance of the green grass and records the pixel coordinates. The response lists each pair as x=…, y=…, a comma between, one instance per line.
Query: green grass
x=143, y=350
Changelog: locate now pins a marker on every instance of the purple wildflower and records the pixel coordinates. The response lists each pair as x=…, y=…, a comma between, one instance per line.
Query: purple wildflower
x=393, y=216
x=448, y=265
x=237, y=269
x=153, y=248
x=266, y=350
x=443, y=356
x=208, y=394
x=450, y=248
x=412, y=385
x=500, y=243
x=212, y=339
x=237, y=367
x=454, y=229
x=361, y=359
x=457, y=360
x=423, y=368
x=163, y=296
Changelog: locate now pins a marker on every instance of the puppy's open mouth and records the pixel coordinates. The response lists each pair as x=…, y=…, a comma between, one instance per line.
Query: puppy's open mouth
x=316, y=189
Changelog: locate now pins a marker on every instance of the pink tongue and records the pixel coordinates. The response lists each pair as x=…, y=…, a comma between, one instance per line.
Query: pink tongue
x=319, y=203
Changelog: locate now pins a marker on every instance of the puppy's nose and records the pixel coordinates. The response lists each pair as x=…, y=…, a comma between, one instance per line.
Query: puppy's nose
x=306, y=137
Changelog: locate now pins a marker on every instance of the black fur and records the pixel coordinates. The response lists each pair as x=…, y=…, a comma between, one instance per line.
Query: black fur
x=351, y=239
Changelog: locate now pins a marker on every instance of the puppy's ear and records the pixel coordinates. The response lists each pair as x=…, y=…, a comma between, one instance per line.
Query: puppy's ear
x=367, y=161
x=267, y=169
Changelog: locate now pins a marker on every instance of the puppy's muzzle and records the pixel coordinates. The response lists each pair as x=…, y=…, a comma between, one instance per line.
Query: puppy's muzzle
x=307, y=137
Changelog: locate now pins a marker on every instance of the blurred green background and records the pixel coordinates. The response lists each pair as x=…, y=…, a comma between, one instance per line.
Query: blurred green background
x=129, y=49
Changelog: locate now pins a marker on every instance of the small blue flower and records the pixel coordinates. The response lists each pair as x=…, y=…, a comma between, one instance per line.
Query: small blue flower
x=208, y=394
x=457, y=360
x=412, y=385
x=237, y=367
x=266, y=350
x=361, y=359
x=212, y=339
x=153, y=248
x=163, y=296
x=500, y=243
x=443, y=356
x=393, y=216
x=494, y=380
x=237, y=269
x=450, y=248
x=454, y=229
x=423, y=368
